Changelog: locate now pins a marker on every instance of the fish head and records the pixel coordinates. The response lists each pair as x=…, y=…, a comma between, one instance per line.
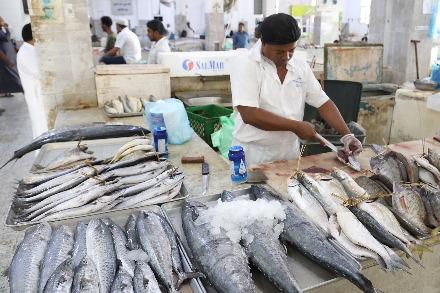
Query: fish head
x=193, y=209
x=339, y=174
x=227, y=196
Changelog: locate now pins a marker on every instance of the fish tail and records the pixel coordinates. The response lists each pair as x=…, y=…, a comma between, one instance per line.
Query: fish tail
x=396, y=258
x=187, y=275
x=381, y=263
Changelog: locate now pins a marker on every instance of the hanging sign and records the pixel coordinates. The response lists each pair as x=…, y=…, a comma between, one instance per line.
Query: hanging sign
x=122, y=7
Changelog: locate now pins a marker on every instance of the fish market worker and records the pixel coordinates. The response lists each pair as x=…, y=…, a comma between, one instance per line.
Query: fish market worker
x=157, y=32
x=270, y=87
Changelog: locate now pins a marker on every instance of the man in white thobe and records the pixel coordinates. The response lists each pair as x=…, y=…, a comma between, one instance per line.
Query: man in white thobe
x=30, y=79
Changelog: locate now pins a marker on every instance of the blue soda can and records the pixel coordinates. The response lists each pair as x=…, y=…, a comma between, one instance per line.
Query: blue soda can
x=237, y=164
x=161, y=140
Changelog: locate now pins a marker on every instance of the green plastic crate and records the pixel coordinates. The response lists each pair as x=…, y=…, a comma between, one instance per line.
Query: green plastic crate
x=205, y=120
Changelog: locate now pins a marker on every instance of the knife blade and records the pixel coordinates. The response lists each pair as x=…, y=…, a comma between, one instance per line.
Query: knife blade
x=329, y=144
x=205, y=178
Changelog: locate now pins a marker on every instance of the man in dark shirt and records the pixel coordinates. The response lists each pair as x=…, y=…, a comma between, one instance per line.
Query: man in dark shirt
x=240, y=38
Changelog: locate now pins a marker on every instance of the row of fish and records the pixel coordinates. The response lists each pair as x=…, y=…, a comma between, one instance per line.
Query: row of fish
x=225, y=263
x=100, y=257
x=95, y=187
x=125, y=104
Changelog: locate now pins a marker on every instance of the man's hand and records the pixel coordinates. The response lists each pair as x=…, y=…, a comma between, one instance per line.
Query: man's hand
x=351, y=144
x=307, y=131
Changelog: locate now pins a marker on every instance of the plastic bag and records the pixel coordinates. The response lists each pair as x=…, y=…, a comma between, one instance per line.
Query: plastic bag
x=223, y=138
x=435, y=74
x=434, y=26
x=172, y=114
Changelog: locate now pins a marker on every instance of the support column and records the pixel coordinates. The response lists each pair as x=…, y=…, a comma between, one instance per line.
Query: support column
x=64, y=51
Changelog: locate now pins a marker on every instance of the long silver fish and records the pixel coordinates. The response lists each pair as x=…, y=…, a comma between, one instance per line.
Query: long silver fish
x=61, y=279
x=144, y=280
x=138, y=188
x=120, y=242
x=101, y=250
x=60, y=244
x=310, y=241
x=223, y=262
x=131, y=143
x=140, y=178
x=140, y=168
x=425, y=164
x=24, y=271
x=164, y=197
x=77, y=154
x=155, y=243
x=123, y=282
x=86, y=278
x=132, y=236
x=79, y=250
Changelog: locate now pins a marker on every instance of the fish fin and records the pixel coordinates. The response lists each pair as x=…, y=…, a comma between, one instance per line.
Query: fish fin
x=188, y=275
x=395, y=257
x=381, y=263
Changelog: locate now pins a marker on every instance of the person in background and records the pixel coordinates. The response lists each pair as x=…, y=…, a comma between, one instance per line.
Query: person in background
x=270, y=87
x=240, y=38
x=127, y=43
x=189, y=30
x=11, y=31
x=335, y=42
x=156, y=33
x=30, y=78
x=106, y=24
x=9, y=78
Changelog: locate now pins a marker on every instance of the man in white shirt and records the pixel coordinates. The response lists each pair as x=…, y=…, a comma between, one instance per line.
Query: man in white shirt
x=30, y=79
x=127, y=43
x=157, y=33
x=270, y=87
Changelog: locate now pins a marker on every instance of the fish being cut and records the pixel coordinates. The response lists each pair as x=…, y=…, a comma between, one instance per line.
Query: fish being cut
x=101, y=250
x=311, y=242
x=24, y=271
x=76, y=132
x=86, y=278
x=223, y=262
x=60, y=244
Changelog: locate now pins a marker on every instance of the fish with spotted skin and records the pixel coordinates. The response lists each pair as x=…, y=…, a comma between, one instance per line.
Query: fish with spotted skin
x=85, y=279
x=61, y=279
x=144, y=280
x=79, y=250
x=132, y=236
x=434, y=158
x=123, y=282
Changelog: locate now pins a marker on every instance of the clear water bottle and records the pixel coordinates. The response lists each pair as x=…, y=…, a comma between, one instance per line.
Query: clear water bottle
x=161, y=140
x=237, y=164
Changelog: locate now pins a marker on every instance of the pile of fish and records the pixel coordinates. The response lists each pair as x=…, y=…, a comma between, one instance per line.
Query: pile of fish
x=125, y=104
x=95, y=187
x=89, y=131
x=100, y=257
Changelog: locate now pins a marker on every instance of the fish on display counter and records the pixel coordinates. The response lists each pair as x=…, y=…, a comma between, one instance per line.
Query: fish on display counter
x=73, y=156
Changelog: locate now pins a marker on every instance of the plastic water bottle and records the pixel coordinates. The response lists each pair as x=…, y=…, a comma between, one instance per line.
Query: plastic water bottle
x=161, y=140
x=237, y=164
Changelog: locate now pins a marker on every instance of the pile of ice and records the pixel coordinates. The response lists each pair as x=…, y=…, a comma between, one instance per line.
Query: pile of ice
x=236, y=215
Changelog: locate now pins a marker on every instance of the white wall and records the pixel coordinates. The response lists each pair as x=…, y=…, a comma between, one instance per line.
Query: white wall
x=13, y=14
x=351, y=15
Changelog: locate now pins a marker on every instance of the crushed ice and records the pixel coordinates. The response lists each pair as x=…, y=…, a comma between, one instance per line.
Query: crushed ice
x=236, y=215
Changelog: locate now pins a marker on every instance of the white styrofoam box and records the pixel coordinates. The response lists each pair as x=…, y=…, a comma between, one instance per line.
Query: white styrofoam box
x=205, y=63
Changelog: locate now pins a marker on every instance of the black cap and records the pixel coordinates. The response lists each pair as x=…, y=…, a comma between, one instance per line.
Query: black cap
x=280, y=29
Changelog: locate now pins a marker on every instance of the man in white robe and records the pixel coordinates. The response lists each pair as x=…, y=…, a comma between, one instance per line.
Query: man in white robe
x=30, y=79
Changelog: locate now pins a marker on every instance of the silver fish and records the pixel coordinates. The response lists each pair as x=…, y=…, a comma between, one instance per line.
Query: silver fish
x=427, y=177
x=24, y=270
x=79, y=250
x=101, y=250
x=140, y=178
x=386, y=165
x=132, y=236
x=60, y=244
x=164, y=197
x=144, y=280
x=132, y=143
x=138, y=188
x=123, y=282
x=223, y=262
x=155, y=243
x=123, y=100
x=120, y=242
x=371, y=188
x=140, y=168
x=86, y=278
x=76, y=154
x=425, y=164
x=351, y=187
x=61, y=279
x=434, y=158
x=333, y=187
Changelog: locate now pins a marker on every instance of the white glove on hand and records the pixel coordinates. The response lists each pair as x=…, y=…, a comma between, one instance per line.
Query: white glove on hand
x=351, y=144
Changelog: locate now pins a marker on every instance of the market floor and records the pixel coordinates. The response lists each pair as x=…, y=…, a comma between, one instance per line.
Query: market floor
x=15, y=132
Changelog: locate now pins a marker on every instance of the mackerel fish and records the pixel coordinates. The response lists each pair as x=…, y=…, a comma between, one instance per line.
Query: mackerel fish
x=123, y=282
x=86, y=278
x=132, y=236
x=144, y=280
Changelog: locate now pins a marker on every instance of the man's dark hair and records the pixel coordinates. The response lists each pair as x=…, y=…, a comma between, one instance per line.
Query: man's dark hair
x=157, y=25
x=26, y=33
x=280, y=29
x=241, y=24
x=107, y=21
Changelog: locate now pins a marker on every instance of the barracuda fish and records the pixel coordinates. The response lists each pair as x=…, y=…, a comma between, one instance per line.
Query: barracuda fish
x=24, y=270
x=60, y=244
x=425, y=164
x=407, y=202
x=138, y=148
x=333, y=187
x=140, y=168
x=175, y=255
x=159, y=188
x=434, y=158
x=101, y=250
x=144, y=280
x=61, y=279
x=307, y=203
x=77, y=154
x=311, y=242
x=79, y=250
x=123, y=282
x=120, y=243
x=357, y=251
x=137, y=179
x=164, y=197
x=155, y=243
x=132, y=236
x=138, y=188
x=132, y=143
x=86, y=278
x=151, y=156
x=82, y=131
x=223, y=262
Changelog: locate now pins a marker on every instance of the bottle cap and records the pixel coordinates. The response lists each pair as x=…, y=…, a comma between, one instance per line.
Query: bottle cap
x=236, y=148
x=160, y=129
